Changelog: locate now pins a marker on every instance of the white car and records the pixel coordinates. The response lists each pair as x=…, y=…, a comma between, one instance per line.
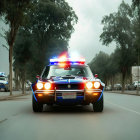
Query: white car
x=136, y=84
x=3, y=82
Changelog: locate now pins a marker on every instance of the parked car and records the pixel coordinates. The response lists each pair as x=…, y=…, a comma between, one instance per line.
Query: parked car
x=117, y=86
x=108, y=88
x=4, y=82
x=130, y=87
x=28, y=85
x=136, y=84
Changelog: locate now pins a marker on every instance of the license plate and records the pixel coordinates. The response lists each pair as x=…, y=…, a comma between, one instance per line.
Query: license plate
x=68, y=95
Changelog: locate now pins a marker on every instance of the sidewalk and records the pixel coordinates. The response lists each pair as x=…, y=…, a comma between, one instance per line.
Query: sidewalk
x=128, y=92
x=6, y=95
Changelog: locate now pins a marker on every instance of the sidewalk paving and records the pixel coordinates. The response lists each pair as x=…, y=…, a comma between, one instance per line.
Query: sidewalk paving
x=128, y=92
x=6, y=95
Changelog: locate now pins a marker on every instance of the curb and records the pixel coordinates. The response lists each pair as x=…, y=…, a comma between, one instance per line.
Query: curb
x=125, y=93
x=13, y=96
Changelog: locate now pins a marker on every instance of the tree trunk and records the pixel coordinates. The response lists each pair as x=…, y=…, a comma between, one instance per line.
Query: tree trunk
x=112, y=82
x=16, y=79
x=22, y=86
x=123, y=81
x=23, y=83
x=10, y=69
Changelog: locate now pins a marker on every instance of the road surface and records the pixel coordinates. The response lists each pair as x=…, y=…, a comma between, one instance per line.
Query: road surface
x=119, y=121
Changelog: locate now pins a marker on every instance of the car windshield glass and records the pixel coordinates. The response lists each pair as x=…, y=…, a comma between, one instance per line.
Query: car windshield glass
x=2, y=78
x=81, y=71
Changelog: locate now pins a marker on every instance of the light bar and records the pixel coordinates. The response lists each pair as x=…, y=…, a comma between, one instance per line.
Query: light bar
x=67, y=61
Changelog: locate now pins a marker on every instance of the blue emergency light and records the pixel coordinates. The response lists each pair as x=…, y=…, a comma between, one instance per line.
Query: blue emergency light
x=69, y=61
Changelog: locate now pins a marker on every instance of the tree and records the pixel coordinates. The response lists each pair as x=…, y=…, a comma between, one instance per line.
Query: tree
x=136, y=26
x=48, y=30
x=118, y=28
x=99, y=65
x=15, y=12
x=136, y=3
x=52, y=32
x=1, y=6
x=113, y=66
x=22, y=55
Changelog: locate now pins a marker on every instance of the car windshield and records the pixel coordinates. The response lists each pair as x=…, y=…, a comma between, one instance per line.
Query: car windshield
x=81, y=71
x=2, y=78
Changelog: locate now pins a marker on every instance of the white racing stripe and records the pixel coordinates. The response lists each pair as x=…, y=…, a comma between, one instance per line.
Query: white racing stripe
x=125, y=108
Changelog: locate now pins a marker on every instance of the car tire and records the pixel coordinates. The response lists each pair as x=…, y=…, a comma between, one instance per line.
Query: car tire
x=6, y=90
x=99, y=105
x=36, y=106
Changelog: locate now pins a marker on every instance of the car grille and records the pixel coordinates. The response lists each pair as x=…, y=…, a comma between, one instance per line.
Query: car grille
x=70, y=86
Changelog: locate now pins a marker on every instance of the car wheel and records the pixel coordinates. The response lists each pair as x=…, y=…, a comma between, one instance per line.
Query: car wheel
x=99, y=105
x=5, y=89
x=36, y=106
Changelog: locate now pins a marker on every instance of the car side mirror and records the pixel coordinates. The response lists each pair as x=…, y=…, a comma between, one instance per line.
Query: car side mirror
x=96, y=75
x=38, y=77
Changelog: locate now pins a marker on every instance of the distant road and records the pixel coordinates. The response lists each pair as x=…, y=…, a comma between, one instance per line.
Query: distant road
x=119, y=121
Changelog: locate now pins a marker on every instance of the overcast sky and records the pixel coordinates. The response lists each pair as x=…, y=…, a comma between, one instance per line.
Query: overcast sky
x=85, y=39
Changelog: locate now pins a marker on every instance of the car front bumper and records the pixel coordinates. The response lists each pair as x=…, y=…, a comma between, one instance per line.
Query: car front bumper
x=84, y=97
x=3, y=86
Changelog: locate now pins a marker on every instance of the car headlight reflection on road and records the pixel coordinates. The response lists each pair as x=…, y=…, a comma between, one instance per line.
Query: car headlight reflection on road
x=39, y=85
x=97, y=84
x=47, y=85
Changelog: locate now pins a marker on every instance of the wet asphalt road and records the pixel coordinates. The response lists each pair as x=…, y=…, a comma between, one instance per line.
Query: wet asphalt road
x=120, y=120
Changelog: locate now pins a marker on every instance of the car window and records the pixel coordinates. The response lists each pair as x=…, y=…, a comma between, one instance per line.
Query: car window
x=73, y=71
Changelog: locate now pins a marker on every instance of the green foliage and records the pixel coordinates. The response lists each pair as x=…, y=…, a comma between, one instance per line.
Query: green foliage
x=136, y=3
x=45, y=35
x=105, y=65
x=119, y=28
x=2, y=6
x=15, y=13
x=136, y=26
x=100, y=64
x=22, y=52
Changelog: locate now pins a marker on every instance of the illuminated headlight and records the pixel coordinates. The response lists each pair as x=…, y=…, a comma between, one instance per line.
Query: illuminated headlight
x=89, y=85
x=96, y=84
x=39, y=85
x=47, y=86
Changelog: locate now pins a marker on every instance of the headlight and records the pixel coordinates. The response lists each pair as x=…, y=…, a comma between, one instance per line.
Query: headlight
x=47, y=86
x=39, y=85
x=89, y=85
x=97, y=84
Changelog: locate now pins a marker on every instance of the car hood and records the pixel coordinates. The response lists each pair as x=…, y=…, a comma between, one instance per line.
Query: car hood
x=67, y=80
x=71, y=80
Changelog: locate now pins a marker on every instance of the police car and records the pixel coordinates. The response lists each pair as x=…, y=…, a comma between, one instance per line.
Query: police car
x=3, y=81
x=67, y=82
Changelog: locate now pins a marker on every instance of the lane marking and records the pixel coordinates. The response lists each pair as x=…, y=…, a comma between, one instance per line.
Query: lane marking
x=125, y=108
